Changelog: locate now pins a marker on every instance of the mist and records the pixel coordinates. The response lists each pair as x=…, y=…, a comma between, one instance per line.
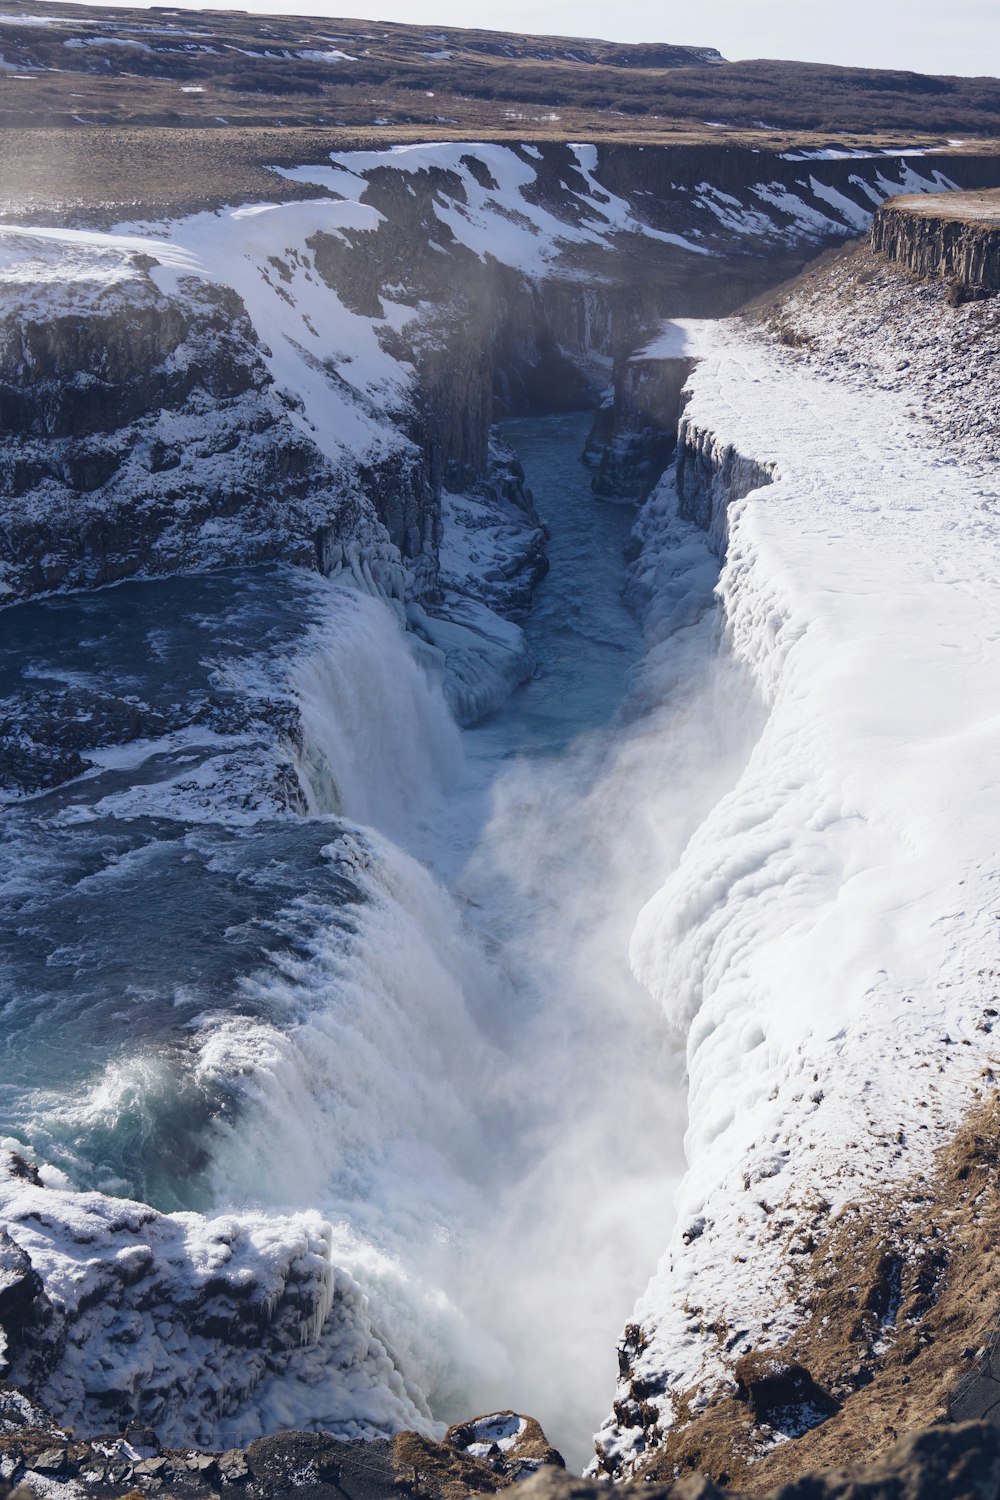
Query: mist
x=472, y=1083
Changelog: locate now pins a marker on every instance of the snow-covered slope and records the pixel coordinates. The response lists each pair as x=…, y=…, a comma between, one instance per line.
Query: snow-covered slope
x=826, y=940
x=297, y=379
x=234, y=1326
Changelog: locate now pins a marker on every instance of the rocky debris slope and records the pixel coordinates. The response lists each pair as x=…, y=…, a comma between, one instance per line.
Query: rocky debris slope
x=960, y=1463
x=481, y=1456
x=956, y=236
x=861, y=320
x=898, y=1328
x=825, y=940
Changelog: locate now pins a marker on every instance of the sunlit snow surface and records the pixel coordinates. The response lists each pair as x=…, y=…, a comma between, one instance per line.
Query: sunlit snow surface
x=825, y=941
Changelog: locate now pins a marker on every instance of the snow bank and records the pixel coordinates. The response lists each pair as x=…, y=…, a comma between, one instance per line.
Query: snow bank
x=215, y=1330
x=823, y=938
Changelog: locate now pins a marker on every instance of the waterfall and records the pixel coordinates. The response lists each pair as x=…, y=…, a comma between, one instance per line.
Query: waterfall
x=379, y=745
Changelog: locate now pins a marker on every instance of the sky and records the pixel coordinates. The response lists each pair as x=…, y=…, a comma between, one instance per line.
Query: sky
x=928, y=36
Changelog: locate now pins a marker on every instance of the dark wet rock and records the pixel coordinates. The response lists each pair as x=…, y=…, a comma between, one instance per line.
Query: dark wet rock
x=20, y=1284
x=711, y=476
x=52, y=1461
x=298, y=1459
x=25, y=1310
x=633, y=439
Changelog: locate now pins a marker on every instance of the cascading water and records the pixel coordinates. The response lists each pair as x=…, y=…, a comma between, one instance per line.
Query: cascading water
x=420, y=1022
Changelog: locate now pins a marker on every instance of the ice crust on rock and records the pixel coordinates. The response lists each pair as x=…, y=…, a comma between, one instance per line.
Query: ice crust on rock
x=214, y=1331
x=824, y=938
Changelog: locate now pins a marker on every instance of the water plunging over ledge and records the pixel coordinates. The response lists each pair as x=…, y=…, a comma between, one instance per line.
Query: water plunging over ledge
x=212, y=1006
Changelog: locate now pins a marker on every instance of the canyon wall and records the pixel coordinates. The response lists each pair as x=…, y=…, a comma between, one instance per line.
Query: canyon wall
x=955, y=236
x=302, y=381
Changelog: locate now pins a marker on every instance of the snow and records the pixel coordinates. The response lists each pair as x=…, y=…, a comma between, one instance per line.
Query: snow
x=497, y=221
x=828, y=923
x=502, y=221
x=347, y=387
x=851, y=212
x=105, y=41
x=841, y=153
x=331, y=56
x=677, y=339
x=501, y=1430
x=122, y=1276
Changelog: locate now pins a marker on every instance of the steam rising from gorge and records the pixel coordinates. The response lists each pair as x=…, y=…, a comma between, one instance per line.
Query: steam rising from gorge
x=474, y=1081
x=408, y=1010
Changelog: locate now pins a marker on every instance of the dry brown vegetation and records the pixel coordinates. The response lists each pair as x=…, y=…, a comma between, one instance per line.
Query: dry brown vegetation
x=130, y=68
x=963, y=208
x=901, y=1307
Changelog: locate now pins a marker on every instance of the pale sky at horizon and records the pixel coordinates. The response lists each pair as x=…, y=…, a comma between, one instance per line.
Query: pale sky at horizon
x=961, y=38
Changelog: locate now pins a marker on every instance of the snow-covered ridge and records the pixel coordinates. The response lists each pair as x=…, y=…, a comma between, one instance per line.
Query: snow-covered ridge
x=824, y=938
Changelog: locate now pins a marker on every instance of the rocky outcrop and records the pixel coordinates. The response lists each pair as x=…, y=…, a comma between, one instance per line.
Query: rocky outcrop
x=210, y=1312
x=633, y=439
x=141, y=432
x=479, y=1457
x=711, y=476
x=954, y=235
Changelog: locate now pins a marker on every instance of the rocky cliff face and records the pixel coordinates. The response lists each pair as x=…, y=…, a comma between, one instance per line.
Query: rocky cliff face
x=633, y=437
x=301, y=382
x=142, y=432
x=711, y=476
x=956, y=237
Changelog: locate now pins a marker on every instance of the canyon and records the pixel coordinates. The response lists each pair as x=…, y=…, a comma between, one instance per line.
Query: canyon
x=496, y=757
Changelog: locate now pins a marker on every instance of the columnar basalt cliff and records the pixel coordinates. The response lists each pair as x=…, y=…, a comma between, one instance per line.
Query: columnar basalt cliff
x=956, y=236
x=302, y=382
x=141, y=432
x=633, y=438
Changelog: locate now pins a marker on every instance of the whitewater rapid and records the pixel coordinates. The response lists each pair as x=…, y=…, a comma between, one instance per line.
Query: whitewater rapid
x=409, y=1007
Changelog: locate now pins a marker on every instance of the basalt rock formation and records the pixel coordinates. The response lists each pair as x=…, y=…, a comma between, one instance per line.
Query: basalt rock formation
x=478, y=1457
x=148, y=424
x=633, y=439
x=955, y=236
